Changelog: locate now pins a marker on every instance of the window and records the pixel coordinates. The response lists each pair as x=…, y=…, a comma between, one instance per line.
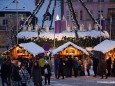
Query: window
x=100, y=0
x=5, y=22
x=88, y=16
x=112, y=0
x=67, y=17
x=100, y=13
x=74, y=0
x=81, y=15
x=76, y=13
x=89, y=0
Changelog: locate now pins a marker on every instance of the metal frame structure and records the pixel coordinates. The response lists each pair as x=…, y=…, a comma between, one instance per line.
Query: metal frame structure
x=73, y=15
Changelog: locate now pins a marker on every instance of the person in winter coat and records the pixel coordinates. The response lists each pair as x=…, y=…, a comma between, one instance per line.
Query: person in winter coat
x=56, y=64
x=36, y=74
x=75, y=66
x=103, y=68
x=88, y=66
x=25, y=77
x=9, y=71
x=15, y=75
x=4, y=73
x=47, y=73
x=109, y=62
x=95, y=65
x=113, y=70
x=69, y=66
x=61, y=69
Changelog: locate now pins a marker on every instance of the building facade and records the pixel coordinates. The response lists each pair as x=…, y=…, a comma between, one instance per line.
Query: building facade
x=12, y=15
x=96, y=7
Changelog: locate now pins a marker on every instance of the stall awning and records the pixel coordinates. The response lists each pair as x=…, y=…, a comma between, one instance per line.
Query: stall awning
x=105, y=46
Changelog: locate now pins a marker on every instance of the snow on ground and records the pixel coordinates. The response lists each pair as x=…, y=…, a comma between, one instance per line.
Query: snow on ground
x=105, y=46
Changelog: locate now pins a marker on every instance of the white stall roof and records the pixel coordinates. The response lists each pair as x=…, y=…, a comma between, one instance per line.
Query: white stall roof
x=32, y=48
x=66, y=45
x=105, y=46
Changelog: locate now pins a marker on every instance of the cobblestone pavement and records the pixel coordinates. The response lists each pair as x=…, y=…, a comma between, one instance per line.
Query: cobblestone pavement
x=80, y=81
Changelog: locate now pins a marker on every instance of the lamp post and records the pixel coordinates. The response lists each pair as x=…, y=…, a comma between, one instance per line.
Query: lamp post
x=100, y=20
x=110, y=25
x=17, y=19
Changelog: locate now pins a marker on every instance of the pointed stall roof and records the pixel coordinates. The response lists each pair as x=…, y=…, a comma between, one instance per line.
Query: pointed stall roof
x=32, y=48
x=68, y=44
x=105, y=46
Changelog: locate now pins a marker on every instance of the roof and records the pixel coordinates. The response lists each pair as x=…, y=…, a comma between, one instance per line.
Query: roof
x=32, y=48
x=59, y=36
x=68, y=44
x=105, y=46
x=22, y=5
x=27, y=35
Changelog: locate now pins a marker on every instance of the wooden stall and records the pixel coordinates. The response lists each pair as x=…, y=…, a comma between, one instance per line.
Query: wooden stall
x=70, y=49
x=25, y=50
x=107, y=48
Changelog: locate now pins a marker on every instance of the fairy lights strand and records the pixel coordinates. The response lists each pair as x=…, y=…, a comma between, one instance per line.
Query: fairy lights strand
x=28, y=20
x=73, y=17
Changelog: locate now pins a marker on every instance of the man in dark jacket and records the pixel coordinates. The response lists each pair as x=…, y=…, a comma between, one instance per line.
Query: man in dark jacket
x=4, y=73
x=95, y=65
x=61, y=69
x=109, y=62
x=69, y=66
x=75, y=66
x=56, y=63
x=47, y=73
x=15, y=75
x=103, y=68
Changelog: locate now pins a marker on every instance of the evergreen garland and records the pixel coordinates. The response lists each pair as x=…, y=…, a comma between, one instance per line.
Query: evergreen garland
x=83, y=42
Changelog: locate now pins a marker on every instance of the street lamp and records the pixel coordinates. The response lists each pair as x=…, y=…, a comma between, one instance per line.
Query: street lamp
x=16, y=1
x=110, y=25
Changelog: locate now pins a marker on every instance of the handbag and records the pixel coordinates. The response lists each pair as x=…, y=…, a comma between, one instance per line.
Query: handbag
x=45, y=71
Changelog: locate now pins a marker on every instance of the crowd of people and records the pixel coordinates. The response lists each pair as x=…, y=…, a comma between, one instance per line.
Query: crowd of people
x=20, y=73
x=76, y=67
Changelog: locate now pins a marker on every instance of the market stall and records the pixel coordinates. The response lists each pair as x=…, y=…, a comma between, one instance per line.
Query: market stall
x=70, y=49
x=25, y=50
x=107, y=48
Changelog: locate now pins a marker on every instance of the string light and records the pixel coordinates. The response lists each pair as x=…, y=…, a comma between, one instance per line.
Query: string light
x=29, y=19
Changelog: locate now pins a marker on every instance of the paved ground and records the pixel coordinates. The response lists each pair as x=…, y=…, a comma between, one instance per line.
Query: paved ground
x=80, y=81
